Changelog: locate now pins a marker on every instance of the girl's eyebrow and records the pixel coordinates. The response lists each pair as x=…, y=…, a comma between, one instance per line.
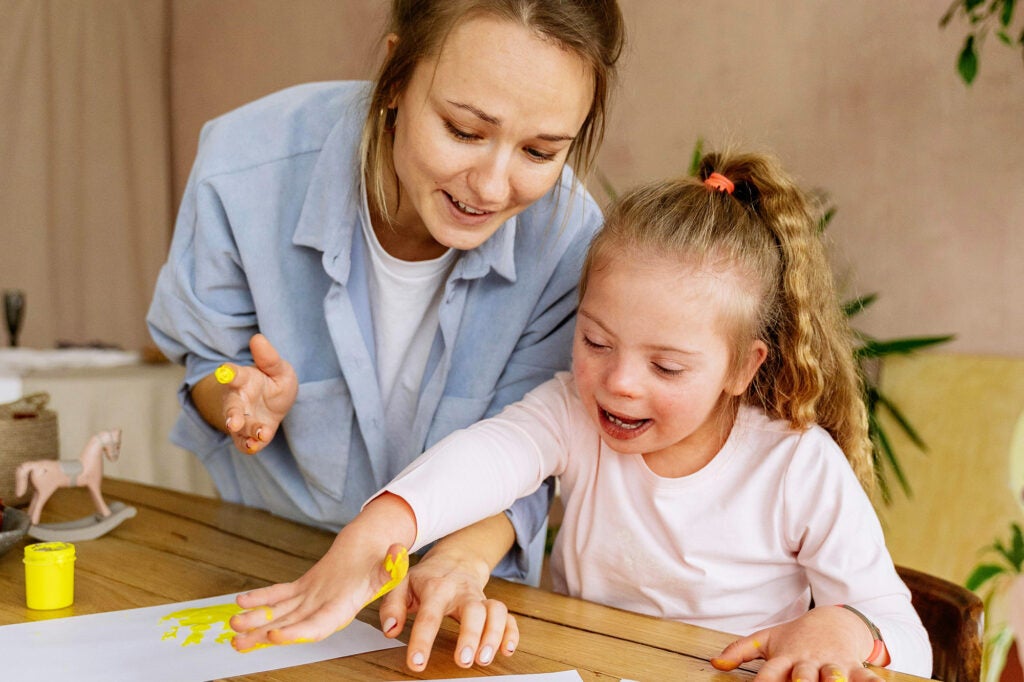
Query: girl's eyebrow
x=671, y=349
x=497, y=122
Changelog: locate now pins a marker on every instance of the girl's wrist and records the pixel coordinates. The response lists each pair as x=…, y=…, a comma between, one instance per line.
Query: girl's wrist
x=879, y=654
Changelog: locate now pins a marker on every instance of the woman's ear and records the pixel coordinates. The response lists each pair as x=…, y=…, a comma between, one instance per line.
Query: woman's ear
x=389, y=43
x=747, y=368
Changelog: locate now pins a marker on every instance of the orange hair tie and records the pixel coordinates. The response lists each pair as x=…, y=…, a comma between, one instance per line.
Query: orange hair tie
x=719, y=182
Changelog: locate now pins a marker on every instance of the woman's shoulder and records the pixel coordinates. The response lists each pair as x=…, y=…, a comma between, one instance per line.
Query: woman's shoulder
x=281, y=125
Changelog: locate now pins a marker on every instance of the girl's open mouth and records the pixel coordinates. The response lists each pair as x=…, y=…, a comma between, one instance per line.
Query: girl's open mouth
x=622, y=428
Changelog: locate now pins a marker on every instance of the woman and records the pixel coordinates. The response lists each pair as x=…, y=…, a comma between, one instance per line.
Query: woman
x=377, y=265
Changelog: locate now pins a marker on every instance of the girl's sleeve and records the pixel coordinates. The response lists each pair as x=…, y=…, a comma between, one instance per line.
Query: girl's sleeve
x=479, y=471
x=840, y=543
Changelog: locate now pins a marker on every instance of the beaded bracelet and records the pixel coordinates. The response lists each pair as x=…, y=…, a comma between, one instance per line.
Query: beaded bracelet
x=878, y=648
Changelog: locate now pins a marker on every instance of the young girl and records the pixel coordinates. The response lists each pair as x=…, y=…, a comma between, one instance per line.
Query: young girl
x=699, y=442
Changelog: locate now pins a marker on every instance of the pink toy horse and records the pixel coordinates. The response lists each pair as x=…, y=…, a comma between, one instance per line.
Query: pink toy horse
x=46, y=475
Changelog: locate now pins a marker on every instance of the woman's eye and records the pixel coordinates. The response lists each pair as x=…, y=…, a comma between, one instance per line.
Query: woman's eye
x=538, y=155
x=457, y=133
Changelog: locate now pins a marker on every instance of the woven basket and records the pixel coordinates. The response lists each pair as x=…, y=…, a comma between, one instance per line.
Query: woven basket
x=27, y=431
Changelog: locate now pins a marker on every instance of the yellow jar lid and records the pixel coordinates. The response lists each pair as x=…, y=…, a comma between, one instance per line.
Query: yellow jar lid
x=49, y=553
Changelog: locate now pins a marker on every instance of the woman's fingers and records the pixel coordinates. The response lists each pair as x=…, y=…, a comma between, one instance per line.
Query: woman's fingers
x=510, y=640
x=496, y=627
x=472, y=618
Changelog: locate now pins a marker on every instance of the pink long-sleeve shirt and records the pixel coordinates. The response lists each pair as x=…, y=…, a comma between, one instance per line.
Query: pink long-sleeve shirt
x=742, y=544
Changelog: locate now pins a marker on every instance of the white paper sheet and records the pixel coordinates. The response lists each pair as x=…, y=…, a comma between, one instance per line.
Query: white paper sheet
x=131, y=645
x=566, y=676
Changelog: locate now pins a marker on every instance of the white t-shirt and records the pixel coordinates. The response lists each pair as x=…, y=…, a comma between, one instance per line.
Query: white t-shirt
x=404, y=300
x=740, y=545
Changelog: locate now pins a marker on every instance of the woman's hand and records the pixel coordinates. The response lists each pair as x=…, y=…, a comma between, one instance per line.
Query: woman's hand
x=248, y=403
x=330, y=594
x=827, y=643
x=447, y=582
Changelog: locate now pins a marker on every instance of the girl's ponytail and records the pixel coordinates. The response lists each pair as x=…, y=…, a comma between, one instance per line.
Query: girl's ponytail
x=810, y=375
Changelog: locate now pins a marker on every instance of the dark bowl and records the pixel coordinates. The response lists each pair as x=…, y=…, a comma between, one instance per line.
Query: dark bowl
x=15, y=526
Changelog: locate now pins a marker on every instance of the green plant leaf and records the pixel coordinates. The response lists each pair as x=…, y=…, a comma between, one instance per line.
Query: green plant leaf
x=852, y=307
x=1007, y=14
x=878, y=436
x=904, y=425
x=826, y=218
x=698, y=154
x=997, y=648
x=877, y=349
x=1016, y=555
x=981, y=574
x=967, y=63
x=1005, y=38
x=971, y=4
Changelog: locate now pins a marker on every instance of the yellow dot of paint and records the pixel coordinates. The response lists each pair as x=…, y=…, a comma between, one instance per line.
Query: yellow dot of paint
x=224, y=374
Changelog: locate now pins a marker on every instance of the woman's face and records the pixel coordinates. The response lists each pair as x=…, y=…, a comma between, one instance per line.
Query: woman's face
x=481, y=132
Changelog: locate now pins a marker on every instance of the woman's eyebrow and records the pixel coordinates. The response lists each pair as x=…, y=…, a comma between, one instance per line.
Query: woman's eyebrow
x=497, y=122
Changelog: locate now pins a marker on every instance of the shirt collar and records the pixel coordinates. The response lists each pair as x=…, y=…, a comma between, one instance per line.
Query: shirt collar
x=331, y=210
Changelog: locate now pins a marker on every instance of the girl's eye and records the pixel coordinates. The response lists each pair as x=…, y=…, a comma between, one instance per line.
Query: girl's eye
x=539, y=156
x=459, y=134
x=667, y=371
x=592, y=344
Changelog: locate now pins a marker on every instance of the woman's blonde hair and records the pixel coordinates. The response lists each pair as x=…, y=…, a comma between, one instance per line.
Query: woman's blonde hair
x=592, y=29
x=765, y=229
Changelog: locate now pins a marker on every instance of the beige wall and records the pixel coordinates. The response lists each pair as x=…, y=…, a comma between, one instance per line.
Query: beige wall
x=858, y=98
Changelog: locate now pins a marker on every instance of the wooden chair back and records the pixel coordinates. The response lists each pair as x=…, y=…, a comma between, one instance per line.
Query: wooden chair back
x=953, y=617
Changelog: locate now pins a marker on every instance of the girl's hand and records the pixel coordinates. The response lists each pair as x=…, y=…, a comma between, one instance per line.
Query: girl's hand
x=321, y=602
x=444, y=584
x=255, y=399
x=331, y=593
x=827, y=643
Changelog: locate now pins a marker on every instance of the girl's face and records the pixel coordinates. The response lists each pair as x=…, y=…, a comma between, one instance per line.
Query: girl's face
x=651, y=359
x=481, y=133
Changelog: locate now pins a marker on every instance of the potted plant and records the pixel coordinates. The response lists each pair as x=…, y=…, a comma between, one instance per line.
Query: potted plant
x=1001, y=579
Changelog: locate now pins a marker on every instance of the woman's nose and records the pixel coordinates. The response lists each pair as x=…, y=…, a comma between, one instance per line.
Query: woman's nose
x=490, y=180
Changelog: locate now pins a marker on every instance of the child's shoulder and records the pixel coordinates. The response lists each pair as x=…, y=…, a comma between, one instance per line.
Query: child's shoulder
x=768, y=434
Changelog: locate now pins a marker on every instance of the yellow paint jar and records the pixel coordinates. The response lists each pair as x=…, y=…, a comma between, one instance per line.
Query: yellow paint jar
x=49, y=575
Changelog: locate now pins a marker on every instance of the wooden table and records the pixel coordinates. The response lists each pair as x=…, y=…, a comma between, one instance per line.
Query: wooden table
x=182, y=547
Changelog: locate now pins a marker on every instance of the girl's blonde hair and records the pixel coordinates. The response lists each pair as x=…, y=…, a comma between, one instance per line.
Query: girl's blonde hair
x=592, y=29
x=764, y=229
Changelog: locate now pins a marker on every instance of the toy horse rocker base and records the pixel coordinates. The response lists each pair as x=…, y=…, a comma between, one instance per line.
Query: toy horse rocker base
x=47, y=475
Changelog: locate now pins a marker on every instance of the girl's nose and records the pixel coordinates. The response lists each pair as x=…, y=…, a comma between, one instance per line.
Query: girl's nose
x=621, y=378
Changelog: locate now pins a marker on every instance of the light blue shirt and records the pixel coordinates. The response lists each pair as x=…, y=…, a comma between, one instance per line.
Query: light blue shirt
x=268, y=240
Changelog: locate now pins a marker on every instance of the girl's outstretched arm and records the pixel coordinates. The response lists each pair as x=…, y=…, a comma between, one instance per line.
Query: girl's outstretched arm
x=330, y=594
x=826, y=643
